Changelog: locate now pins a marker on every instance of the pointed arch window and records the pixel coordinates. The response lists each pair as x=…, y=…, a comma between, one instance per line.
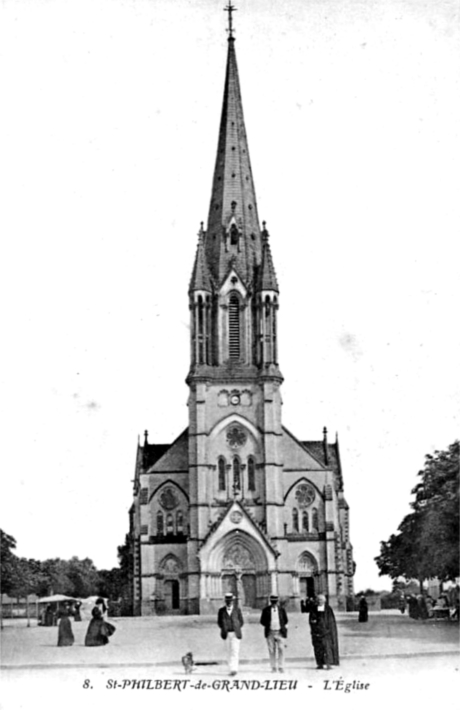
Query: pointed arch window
x=179, y=522
x=251, y=474
x=295, y=520
x=234, y=345
x=236, y=474
x=169, y=524
x=160, y=523
x=315, y=521
x=305, y=521
x=221, y=473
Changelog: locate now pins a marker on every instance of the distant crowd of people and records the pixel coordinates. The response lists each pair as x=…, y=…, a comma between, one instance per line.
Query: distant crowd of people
x=274, y=619
x=99, y=629
x=423, y=606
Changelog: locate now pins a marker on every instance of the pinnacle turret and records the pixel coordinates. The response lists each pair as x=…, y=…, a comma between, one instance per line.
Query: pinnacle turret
x=201, y=279
x=267, y=279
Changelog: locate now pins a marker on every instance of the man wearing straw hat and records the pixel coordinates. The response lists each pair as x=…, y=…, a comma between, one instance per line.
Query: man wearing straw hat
x=230, y=621
x=274, y=620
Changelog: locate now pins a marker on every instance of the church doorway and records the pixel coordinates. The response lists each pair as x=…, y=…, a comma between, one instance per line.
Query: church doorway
x=242, y=585
x=250, y=590
x=229, y=584
x=244, y=571
x=307, y=569
x=307, y=587
x=172, y=594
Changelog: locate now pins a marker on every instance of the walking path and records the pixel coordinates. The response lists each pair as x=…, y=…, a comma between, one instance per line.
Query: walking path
x=390, y=654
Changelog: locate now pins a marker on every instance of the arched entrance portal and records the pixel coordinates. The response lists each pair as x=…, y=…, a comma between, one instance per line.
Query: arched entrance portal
x=172, y=594
x=239, y=574
x=308, y=574
x=170, y=574
x=243, y=568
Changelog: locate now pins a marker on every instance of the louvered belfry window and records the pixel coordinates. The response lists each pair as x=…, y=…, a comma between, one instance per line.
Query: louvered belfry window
x=234, y=327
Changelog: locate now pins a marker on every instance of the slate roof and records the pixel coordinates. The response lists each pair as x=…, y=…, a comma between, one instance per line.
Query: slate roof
x=233, y=194
x=174, y=458
x=333, y=456
x=150, y=453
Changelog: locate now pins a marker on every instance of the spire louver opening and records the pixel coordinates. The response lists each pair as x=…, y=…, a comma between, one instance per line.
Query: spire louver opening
x=234, y=327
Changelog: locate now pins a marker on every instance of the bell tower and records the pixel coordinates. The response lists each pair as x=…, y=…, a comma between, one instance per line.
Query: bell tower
x=234, y=378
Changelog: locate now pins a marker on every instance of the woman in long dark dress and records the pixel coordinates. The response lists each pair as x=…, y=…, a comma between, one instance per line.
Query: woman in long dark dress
x=102, y=606
x=65, y=633
x=363, y=609
x=98, y=630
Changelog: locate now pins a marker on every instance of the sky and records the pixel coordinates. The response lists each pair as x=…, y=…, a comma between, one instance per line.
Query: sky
x=108, y=133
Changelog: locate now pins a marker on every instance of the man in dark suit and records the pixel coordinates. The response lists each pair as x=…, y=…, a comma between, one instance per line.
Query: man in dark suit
x=323, y=629
x=230, y=621
x=274, y=620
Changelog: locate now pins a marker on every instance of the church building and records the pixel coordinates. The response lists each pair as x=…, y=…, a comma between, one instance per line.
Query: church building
x=237, y=502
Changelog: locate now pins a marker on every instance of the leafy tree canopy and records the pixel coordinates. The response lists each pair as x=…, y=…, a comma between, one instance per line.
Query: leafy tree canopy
x=427, y=542
x=8, y=562
x=77, y=578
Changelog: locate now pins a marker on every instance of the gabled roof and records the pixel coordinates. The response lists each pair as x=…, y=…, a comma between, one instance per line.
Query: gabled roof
x=296, y=455
x=174, y=457
x=246, y=524
x=149, y=453
x=233, y=198
x=319, y=448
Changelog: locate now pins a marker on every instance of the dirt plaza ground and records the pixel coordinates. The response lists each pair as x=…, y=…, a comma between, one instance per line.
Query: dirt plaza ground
x=388, y=657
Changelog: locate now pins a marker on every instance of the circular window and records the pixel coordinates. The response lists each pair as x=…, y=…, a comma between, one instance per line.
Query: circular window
x=305, y=495
x=236, y=437
x=168, y=499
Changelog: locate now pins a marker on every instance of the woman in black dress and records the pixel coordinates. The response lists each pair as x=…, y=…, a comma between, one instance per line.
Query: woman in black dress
x=65, y=633
x=98, y=630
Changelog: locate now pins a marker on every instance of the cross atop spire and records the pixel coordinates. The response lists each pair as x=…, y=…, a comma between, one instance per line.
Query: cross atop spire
x=230, y=8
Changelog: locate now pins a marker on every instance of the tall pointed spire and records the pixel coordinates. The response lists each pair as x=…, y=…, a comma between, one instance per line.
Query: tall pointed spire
x=233, y=232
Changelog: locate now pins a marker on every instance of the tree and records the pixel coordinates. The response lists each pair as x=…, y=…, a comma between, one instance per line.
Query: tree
x=427, y=542
x=125, y=561
x=111, y=583
x=437, y=503
x=404, y=554
x=8, y=562
x=83, y=577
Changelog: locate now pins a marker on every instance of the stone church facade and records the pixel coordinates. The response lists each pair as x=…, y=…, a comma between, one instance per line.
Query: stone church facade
x=236, y=502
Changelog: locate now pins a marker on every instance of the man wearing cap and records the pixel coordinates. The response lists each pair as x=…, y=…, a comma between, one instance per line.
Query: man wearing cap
x=230, y=621
x=274, y=620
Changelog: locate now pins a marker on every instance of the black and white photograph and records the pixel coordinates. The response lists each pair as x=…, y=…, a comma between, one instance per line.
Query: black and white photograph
x=230, y=391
